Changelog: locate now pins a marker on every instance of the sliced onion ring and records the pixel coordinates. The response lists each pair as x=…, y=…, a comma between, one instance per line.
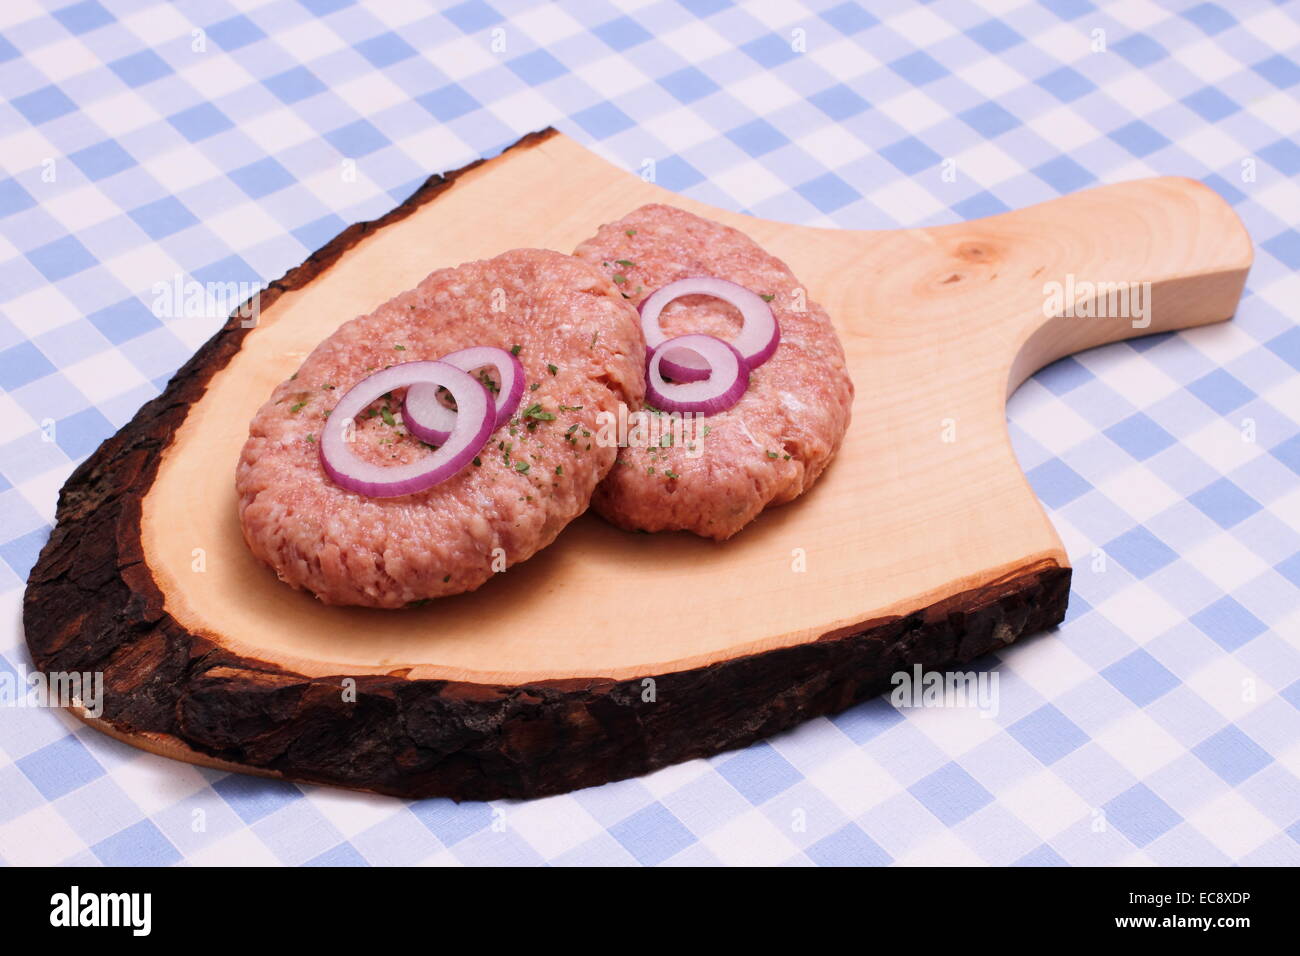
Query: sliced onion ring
x=429, y=420
x=758, y=338
x=474, y=423
x=727, y=381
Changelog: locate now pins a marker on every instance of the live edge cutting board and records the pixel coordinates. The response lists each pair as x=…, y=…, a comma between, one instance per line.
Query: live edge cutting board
x=611, y=654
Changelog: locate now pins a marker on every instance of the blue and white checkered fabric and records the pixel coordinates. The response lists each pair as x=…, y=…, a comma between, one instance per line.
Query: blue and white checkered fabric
x=142, y=139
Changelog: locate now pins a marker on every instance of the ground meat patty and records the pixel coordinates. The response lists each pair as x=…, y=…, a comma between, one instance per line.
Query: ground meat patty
x=772, y=445
x=580, y=344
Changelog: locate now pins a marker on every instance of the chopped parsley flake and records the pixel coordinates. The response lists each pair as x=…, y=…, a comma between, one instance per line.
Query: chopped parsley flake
x=625, y=263
x=619, y=278
x=522, y=467
x=767, y=298
x=297, y=407
x=514, y=349
x=631, y=232
x=400, y=348
x=387, y=416
x=535, y=411
x=552, y=368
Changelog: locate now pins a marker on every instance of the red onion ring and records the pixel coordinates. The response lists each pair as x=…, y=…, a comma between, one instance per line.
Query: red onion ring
x=474, y=423
x=727, y=381
x=429, y=420
x=758, y=338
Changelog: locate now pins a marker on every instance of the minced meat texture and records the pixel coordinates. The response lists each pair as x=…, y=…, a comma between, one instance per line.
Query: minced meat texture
x=580, y=344
x=772, y=445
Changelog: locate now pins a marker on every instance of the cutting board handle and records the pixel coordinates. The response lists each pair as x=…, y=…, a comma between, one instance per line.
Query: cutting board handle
x=1115, y=262
x=1003, y=296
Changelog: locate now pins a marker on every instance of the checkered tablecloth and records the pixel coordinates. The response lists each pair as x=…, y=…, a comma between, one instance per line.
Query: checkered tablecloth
x=141, y=140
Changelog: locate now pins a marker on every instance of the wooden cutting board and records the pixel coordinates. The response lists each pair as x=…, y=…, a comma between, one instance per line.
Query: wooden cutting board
x=611, y=654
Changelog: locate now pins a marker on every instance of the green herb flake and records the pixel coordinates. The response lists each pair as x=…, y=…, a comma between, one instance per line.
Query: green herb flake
x=535, y=411
x=625, y=263
x=515, y=349
x=559, y=469
x=387, y=416
x=522, y=467
x=671, y=474
x=311, y=438
x=771, y=454
x=297, y=407
x=552, y=368
x=400, y=348
x=631, y=232
x=767, y=298
x=478, y=462
x=619, y=278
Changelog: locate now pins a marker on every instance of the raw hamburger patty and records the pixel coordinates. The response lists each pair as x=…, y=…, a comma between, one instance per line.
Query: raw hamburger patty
x=770, y=446
x=387, y=552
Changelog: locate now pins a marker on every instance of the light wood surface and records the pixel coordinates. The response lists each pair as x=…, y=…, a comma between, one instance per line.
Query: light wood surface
x=939, y=325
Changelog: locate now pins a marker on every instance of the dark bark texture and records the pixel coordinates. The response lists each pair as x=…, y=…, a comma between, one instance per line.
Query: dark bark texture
x=92, y=604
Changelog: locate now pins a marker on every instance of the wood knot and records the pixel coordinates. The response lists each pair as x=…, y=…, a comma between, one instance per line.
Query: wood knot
x=975, y=252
